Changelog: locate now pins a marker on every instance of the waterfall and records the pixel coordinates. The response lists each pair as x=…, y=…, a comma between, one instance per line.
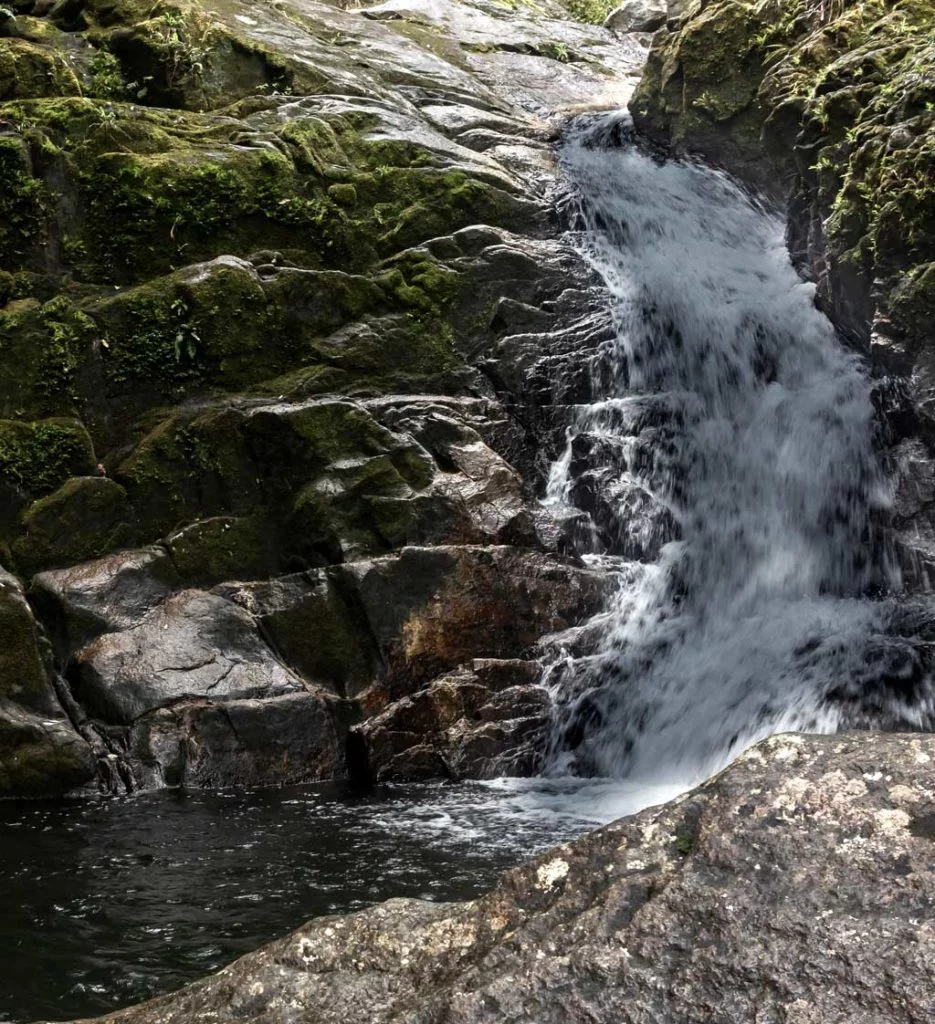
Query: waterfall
x=730, y=447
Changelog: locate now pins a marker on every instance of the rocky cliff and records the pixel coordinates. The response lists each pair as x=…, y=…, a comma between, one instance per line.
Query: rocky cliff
x=828, y=107
x=285, y=342
x=796, y=887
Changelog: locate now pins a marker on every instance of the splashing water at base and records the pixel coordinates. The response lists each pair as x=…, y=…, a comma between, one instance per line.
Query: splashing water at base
x=728, y=404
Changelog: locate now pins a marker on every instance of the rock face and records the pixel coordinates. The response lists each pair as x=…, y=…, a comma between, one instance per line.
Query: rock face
x=797, y=886
x=829, y=108
x=289, y=339
x=39, y=747
x=637, y=16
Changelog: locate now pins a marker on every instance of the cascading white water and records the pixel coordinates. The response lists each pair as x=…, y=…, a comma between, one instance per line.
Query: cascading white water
x=727, y=400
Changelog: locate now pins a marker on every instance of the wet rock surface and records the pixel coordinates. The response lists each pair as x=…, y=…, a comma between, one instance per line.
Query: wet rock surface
x=795, y=886
x=290, y=339
x=39, y=746
x=637, y=16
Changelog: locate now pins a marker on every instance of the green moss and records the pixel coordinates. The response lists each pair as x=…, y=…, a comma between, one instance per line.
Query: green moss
x=38, y=457
x=191, y=467
x=224, y=548
x=840, y=95
x=42, y=350
x=84, y=519
x=23, y=676
x=152, y=190
x=38, y=762
x=343, y=193
x=24, y=202
x=686, y=838
x=30, y=70
x=911, y=304
x=592, y=12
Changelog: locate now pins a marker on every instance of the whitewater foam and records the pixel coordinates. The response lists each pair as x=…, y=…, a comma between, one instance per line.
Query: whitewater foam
x=734, y=409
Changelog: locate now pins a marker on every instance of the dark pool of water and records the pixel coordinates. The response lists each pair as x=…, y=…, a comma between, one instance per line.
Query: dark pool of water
x=105, y=903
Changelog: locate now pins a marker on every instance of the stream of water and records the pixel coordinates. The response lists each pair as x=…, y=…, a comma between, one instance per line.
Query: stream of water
x=732, y=432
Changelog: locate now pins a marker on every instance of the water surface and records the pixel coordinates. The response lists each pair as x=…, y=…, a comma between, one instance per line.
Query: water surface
x=109, y=902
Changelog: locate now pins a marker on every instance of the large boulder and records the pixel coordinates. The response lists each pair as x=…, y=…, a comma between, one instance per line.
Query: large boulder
x=796, y=886
x=278, y=741
x=103, y=596
x=193, y=644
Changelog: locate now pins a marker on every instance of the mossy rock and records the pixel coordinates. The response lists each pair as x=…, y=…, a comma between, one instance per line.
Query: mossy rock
x=39, y=757
x=700, y=88
x=223, y=326
x=306, y=472
x=179, y=55
x=148, y=191
x=838, y=98
x=29, y=71
x=24, y=203
x=47, y=358
x=197, y=328
x=317, y=628
x=24, y=675
x=911, y=306
x=190, y=467
x=85, y=518
x=38, y=457
x=224, y=548
x=338, y=509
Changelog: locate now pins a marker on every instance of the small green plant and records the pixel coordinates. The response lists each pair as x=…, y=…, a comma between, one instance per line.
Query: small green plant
x=593, y=12
x=685, y=840
x=186, y=48
x=73, y=250
x=106, y=76
x=186, y=337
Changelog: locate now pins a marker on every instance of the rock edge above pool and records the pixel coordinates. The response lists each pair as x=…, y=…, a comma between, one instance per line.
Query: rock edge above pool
x=796, y=886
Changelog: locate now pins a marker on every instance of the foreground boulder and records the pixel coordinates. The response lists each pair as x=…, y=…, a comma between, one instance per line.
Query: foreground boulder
x=797, y=886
